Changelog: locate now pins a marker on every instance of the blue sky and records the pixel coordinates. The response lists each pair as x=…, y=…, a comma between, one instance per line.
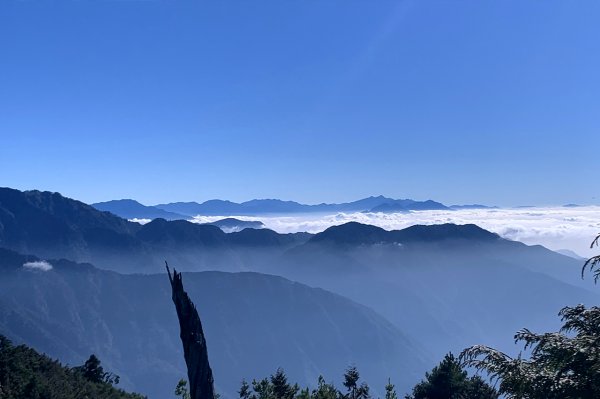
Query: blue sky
x=493, y=102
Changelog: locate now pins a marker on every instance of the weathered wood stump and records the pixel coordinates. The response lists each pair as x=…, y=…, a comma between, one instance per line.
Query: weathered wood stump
x=194, y=344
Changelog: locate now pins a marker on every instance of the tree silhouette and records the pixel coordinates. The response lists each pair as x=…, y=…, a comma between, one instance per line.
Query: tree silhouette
x=449, y=380
x=355, y=391
x=94, y=372
x=324, y=390
x=390, y=392
x=281, y=388
x=245, y=390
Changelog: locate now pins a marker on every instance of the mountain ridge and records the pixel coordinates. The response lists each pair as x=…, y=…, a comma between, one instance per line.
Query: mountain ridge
x=72, y=310
x=257, y=207
x=132, y=209
x=358, y=233
x=51, y=225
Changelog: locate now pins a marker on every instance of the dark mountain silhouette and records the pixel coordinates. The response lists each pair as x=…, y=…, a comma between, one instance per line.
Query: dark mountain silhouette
x=181, y=234
x=354, y=233
x=53, y=226
x=444, y=232
x=131, y=209
x=253, y=323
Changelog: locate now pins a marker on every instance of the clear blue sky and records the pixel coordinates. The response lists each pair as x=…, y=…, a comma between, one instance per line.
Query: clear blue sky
x=493, y=102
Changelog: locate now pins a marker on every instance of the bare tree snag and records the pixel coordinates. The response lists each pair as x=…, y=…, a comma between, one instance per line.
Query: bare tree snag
x=194, y=344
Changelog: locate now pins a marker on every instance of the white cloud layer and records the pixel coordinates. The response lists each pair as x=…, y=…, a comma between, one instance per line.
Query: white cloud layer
x=555, y=228
x=40, y=265
x=140, y=221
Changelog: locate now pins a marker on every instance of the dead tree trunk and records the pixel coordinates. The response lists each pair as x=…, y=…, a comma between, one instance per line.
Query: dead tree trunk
x=194, y=344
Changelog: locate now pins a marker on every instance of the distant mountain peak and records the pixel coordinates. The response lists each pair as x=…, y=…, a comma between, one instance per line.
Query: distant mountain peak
x=405, y=205
x=132, y=209
x=257, y=207
x=447, y=231
x=354, y=233
x=351, y=233
x=122, y=201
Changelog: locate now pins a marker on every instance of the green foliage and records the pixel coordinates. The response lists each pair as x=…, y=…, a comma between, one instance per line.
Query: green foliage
x=281, y=388
x=449, y=380
x=278, y=387
x=355, y=391
x=324, y=390
x=262, y=389
x=24, y=373
x=304, y=394
x=564, y=364
x=245, y=390
x=93, y=371
x=275, y=387
x=390, y=392
x=181, y=389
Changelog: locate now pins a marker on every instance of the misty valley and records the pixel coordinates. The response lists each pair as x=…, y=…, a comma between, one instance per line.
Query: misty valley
x=271, y=199
x=310, y=309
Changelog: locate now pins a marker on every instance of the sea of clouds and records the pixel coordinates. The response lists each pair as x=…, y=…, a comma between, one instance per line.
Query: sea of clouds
x=557, y=228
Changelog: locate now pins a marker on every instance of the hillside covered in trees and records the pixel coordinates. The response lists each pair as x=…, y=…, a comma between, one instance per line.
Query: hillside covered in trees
x=25, y=373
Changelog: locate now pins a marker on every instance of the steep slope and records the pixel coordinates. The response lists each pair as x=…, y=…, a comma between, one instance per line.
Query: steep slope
x=131, y=209
x=53, y=226
x=254, y=323
x=25, y=373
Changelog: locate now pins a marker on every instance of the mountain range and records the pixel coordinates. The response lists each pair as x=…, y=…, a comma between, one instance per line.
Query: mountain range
x=421, y=291
x=131, y=209
x=253, y=322
x=52, y=226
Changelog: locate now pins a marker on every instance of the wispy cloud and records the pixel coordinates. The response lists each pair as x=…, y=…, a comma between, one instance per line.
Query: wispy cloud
x=555, y=228
x=40, y=265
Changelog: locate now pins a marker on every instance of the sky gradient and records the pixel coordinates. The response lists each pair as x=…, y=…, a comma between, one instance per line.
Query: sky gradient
x=457, y=101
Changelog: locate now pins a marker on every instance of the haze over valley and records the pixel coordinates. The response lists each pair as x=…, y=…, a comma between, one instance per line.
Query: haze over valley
x=556, y=227
x=413, y=287
x=339, y=199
